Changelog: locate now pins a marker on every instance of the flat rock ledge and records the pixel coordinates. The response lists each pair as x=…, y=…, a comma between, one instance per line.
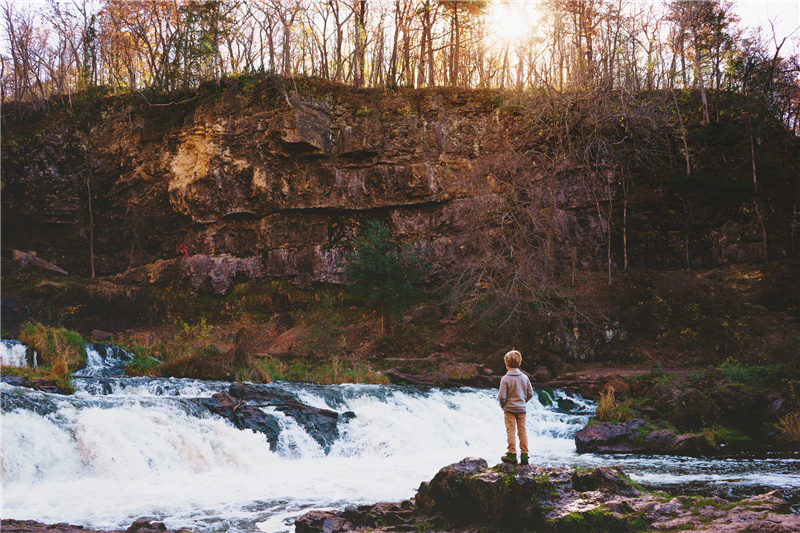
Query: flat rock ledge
x=637, y=436
x=468, y=496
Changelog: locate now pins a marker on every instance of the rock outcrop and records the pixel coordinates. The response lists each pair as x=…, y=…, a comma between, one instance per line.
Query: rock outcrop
x=637, y=436
x=266, y=180
x=470, y=496
x=32, y=526
x=244, y=406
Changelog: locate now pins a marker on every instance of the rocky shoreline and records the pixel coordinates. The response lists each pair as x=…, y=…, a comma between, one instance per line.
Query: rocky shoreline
x=468, y=496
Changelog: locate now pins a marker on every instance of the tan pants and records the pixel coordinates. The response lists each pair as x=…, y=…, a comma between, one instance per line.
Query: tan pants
x=515, y=423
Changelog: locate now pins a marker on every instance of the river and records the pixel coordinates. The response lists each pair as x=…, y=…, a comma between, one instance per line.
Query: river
x=123, y=449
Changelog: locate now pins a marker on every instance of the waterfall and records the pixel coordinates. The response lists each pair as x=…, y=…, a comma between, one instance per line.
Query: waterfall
x=104, y=360
x=101, y=359
x=13, y=353
x=123, y=449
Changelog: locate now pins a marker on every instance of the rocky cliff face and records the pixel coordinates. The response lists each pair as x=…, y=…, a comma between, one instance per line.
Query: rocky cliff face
x=255, y=180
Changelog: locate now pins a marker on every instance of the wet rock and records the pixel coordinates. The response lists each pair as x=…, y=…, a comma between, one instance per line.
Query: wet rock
x=31, y=526
x=44, y=385
x=244, y=416
x=321, y=424
x=146, y=526
x=636, y=436
x=604, y=478
x=469, y=496
x=321, y=521
x=606, y=437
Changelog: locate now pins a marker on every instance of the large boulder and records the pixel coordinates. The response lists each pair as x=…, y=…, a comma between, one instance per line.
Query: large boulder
x=693, y=410
x=321, y=424
x=245, y=416
x=470, y=496
x=739, y=405
x=637, y=436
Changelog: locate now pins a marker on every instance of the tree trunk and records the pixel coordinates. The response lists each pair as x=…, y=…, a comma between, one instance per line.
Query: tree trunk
x=702, y=85
x=386, y=321
x=683, y=133
x=91, y=224
x=764, y=247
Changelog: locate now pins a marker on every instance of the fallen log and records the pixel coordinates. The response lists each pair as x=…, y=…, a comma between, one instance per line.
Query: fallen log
x=24, y=259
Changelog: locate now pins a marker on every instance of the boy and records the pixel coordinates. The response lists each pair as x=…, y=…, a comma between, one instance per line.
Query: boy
x=515, y=392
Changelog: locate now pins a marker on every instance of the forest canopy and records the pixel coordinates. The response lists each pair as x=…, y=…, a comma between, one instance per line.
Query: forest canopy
x=56, y=48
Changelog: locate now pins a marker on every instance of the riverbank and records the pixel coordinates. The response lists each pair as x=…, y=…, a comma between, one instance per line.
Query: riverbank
x=723, y=342
x=468, y=496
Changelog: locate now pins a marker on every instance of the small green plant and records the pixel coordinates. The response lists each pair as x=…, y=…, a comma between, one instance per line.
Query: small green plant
x=734, y=371
x=364, y=111
x=274, y=368
x=719, y=434
x=201, y=330
x=142, y=366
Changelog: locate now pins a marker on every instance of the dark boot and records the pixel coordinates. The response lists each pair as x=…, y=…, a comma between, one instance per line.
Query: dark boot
x=509, y=458
x=523, y=459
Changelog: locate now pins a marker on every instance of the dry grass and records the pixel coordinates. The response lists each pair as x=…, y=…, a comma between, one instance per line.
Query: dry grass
x=609, y=410
x=332, y=371
x=789, y=427
x=54, y=345
x=606, y=405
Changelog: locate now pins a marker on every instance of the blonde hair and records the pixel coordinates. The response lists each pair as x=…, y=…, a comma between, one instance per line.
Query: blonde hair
x=513, y=359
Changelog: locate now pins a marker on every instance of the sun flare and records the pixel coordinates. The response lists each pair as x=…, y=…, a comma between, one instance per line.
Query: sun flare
x=511, y=22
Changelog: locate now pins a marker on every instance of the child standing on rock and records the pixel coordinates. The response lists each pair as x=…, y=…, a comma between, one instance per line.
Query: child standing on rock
x=515, y=391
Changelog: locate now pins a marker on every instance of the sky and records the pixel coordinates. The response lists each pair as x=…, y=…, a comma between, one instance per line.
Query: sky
x=785, y=14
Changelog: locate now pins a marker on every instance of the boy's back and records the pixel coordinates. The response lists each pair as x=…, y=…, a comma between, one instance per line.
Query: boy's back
x=515, y=391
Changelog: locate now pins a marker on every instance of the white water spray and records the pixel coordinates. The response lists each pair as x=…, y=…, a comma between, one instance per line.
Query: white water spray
x=13, y=353
x=106, y=466
x=127, y=449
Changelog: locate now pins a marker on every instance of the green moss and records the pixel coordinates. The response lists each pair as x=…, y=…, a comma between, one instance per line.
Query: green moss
x=142, y=365
x=53, y=344
x=545, y=396
x=545, y=487
x=62, y=378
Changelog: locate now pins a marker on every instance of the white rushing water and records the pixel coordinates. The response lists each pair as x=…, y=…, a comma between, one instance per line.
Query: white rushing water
x=105, y=465
x=126, y=449
x=13, y=353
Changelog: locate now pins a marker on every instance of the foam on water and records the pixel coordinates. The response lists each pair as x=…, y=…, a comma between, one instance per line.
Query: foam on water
x=13, y=353
x=119, y=452
x=105, y=465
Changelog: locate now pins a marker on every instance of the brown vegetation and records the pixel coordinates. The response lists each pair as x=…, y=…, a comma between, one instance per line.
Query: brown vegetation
x=58, y=348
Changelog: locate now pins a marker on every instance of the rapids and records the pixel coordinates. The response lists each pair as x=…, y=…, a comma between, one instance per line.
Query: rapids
x=123, y=449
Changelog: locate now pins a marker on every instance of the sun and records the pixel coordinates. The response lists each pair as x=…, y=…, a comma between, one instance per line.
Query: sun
x=511, y=22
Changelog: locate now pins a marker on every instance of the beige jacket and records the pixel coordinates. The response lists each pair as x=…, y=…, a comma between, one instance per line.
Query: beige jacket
x=515, y=391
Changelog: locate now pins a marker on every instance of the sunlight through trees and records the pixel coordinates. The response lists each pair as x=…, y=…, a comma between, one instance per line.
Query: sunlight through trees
x=56, y=48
